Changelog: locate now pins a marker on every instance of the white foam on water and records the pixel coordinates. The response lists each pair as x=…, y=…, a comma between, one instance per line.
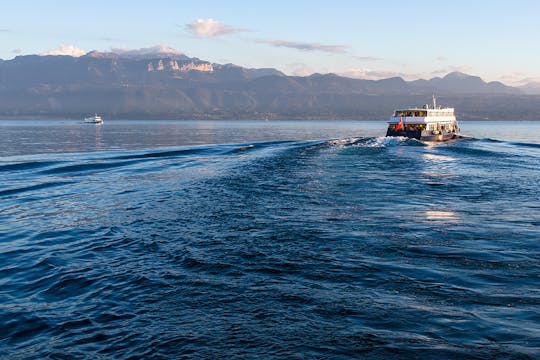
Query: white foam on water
x=381, y=141
x=342, y=142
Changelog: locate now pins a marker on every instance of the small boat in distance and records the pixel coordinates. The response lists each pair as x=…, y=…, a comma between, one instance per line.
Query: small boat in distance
x=96, y=119
x=427, y=124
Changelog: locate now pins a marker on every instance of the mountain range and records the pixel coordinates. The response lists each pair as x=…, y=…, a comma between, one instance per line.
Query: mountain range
x=171, y=85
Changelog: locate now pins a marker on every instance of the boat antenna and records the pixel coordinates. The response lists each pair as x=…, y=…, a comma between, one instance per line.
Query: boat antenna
x=434, y=101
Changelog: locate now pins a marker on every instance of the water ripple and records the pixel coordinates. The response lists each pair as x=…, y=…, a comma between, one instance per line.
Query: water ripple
x=361, y=247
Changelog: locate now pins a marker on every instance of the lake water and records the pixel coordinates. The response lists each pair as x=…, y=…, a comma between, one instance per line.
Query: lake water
x=268, y=239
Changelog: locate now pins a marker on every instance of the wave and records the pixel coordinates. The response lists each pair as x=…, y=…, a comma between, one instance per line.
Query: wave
x=86, y=167
x=204, y=150
x=28, y=165
x=152, y=160
x=90, y=163
x=529, y=145
x=488, y=147
x=505, y=142
x=42, y=186
x=475, y=151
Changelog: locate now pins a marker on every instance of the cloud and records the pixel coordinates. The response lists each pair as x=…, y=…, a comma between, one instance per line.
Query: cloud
x=65, y=50
x=211, y=28
x=4, y=30
x=16, y=51
x=461, y=68
x=368, y=58
x=441, y=58
x=518, y=79
x=299, y=69
x=306, y=46
x=154, y=50
x=527, y=80
x=368, y=74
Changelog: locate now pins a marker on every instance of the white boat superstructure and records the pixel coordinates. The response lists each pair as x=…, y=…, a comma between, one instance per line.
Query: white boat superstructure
x=96, y=119
x=428, y=123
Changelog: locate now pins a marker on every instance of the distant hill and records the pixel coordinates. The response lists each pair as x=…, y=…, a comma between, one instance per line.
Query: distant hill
x=532, y=88
x=167, y=84
x=459, y=83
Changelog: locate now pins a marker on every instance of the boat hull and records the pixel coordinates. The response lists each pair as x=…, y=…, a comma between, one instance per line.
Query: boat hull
x=423, y=135
x=93, y=120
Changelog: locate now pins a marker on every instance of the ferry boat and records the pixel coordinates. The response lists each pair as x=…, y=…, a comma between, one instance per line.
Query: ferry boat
x=96, y=119
x=427, y=124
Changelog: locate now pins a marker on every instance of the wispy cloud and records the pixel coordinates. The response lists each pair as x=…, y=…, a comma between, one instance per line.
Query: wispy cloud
x=299, y=69
x=368, y=58
x=5, y=30
x=441, y=58
x=369, y=74
x=70, y=50
x=306, y=46
x=518, y=79
x=107, y=38
x=211, y=28
x=16, y=51
x=528, y=80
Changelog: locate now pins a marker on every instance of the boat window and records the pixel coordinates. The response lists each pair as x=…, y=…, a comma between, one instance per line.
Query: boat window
x=409, y=127
x=415, y=127
x=407, y=113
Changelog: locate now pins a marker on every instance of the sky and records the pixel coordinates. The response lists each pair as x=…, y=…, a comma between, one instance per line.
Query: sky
x=496, y=40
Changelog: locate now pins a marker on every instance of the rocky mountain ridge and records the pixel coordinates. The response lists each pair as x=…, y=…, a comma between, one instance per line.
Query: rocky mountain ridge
x=169, y=84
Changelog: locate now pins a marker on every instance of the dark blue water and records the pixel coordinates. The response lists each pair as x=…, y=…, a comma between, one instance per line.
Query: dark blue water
x=292, y=245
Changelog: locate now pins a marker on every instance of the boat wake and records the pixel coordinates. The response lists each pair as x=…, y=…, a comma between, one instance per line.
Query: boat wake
x=376, y=142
